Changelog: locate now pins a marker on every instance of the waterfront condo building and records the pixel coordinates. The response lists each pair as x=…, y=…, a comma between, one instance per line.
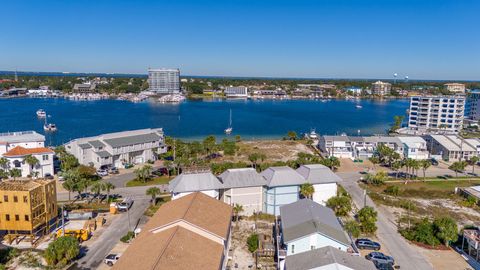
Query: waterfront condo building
x=28, y=208
x=380, y=88
x=436, y=113
x=84, y=88
x=472, y=107
x=164, y=80
x=236, y=91
x=457, y=88
x=117, y=149
x=25, y=139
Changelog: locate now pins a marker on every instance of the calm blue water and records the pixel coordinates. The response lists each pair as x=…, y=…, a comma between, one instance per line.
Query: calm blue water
x=195, y=119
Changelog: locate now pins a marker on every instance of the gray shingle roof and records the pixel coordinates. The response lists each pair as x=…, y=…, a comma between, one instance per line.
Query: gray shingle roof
x=103, y=154
x=84, y=145
x=245, y=177
x=189, y=182
x=318, y=174
x=282, y=176
x=131, y=140
x=317, y=258
x=97, y=144
x=305, y=217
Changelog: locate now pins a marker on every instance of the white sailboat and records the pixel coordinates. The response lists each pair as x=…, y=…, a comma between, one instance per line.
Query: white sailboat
x=41, y=113
x=229, y=129
x=49, y=127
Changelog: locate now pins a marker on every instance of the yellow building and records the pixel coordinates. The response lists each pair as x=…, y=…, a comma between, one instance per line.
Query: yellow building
x=27, y=208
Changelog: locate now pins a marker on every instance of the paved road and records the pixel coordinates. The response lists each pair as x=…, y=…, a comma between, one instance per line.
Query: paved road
x=111, y=235
x=405, y=255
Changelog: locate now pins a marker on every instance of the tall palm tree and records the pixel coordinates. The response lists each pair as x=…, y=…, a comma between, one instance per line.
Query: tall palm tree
x=97, y=188
x=109, y=187
x=70, y=186
x=425, y=164
x=473, y=161
x=154, y=192
x=307, y=190
x=15, y=173
x=4, y=164
x=32, y=162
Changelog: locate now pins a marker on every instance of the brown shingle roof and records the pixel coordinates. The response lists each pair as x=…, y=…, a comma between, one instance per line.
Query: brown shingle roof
x=21, y=151
x=160, y=246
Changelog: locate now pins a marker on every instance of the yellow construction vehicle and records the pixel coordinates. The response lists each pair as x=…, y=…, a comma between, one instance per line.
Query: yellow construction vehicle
x=80, y=234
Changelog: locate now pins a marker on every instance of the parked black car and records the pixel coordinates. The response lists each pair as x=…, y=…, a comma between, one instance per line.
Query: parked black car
x=379, y=257
x=434, y=162
x=383, y=265
x=364, y=243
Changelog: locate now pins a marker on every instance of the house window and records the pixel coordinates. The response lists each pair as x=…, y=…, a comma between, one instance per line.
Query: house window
x=45, y=157
x=5, y=198
x=7, y=217
x=17, y=164
x=293, y=249
x=17, y=217
x=15, y=199
x=25, y=199
x=27, y=218
x=312, y=247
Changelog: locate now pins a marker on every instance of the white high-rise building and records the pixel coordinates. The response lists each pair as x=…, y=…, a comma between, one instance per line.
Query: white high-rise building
x=381, y=88
x=437, y=113
x=455, y=87
x=164, y=81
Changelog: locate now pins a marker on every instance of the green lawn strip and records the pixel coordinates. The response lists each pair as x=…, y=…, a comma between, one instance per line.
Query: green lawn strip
x=154, y=181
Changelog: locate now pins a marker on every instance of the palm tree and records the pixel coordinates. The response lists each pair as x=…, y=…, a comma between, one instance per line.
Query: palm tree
x=425, y=164
x=15, y=173
x=473, y=161
x=108, y=187
x=32, y=161
x=307, y=190
x=253, y=159
x=237, y=209
x=415, y=166
x=153, y=191
x=4, y=163
x=97, y=188
x=70, y=186
x=375, y=160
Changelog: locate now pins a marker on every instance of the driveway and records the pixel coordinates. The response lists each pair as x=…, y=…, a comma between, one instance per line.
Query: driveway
x=405, y=255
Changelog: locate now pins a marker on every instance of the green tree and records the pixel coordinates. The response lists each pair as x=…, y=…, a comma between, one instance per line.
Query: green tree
x=341, y=205
x=31, y=161
x=209, y=144
x=108, y=188
x=377, y=179
x=15, y=173
x=4, y=164
x=70, y=186
x=397, y=123
x=292, y=135
x=307, y=190
x=425, y=164
x=374, y=160
x=446, y=230
x=153, y=192
x=238, y=138
x=237, y=209
x=367, y=217
x=353, y=228
x=68, y=162
x=62, y=251
x=253, y=158
x=473, y=161
x=458, y=166
x=97, y=188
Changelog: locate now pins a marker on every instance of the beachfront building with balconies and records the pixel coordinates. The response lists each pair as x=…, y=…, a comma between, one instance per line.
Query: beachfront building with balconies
x=117, y=149
x=236, y=92
x=441, y=114
x=164, y=80
x=414, y=147
x=380, y=88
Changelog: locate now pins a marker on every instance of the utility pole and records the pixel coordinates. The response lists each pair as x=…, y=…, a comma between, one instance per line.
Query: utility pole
x=63, y=221
x=128, y=215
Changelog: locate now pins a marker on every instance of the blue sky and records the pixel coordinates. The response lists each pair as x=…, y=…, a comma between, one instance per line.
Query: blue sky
x=425, y=39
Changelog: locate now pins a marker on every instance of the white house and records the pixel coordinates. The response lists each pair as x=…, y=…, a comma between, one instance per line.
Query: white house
x=326, y=258
x=336, y=146
x=116, y=149
x=414, y=147
x=307, y=225
x=25, y=139
x=17, y=155
x=324, y=181
x=187, y=183
x=245, y=187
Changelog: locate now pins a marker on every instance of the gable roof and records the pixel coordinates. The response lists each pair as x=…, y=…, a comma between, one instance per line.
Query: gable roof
x=19, y=151
x=282, y=176
x=135, y=139
x=164, y=245
x=305, y=217
x=96, y=143
x=318, y=174
x=244, y=177
x=328, y=255
x=189, y=182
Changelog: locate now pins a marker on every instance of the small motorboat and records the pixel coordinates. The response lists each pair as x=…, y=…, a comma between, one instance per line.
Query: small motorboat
x=50, y=127
x=41, y=113
x=312, y=135
x=358, y=106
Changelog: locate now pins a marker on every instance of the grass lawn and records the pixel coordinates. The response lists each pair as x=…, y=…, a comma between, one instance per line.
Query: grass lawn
x=153, y=208
x=154, y=181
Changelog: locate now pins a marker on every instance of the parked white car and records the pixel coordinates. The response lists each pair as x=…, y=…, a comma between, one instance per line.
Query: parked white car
x=111, y=259
x=102, y=173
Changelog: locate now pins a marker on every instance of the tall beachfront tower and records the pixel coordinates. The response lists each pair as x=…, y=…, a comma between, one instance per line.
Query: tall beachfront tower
x=164, y=80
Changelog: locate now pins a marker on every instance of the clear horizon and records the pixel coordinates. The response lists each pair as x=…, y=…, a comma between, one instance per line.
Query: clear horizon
x=426, y=40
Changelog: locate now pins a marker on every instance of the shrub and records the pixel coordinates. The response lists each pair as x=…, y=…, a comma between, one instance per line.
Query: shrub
x=392, y=190
x=353, y=228
x=252, y=242
x=62, y=251
x=408, y=205
x=441, y=230
x=341, y=205
x=367, y=217
x=127, y=237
